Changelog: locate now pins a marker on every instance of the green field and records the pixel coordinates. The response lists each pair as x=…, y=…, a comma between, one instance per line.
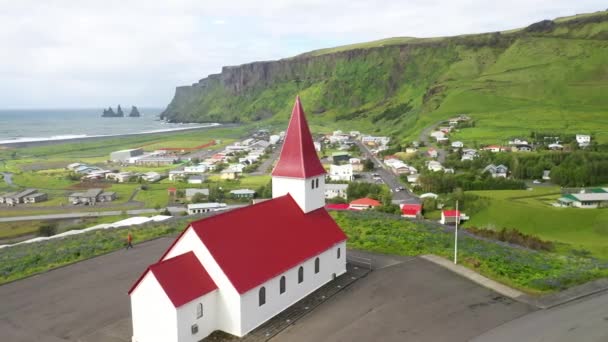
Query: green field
x=531, y=212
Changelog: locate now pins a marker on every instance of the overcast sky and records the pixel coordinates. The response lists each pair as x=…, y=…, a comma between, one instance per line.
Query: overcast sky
x=66, y=53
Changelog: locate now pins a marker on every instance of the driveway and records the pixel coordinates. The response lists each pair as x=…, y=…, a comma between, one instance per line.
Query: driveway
x=411, y=301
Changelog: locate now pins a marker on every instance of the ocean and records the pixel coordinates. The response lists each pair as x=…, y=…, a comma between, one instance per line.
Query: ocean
x=23, y=125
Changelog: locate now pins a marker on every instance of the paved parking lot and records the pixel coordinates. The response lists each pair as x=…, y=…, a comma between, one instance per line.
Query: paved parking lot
x=412, y=301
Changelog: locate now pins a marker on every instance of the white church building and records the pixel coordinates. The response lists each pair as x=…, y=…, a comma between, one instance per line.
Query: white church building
x=236, y=270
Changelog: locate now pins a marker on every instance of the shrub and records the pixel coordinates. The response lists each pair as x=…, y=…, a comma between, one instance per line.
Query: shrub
x=47, y=229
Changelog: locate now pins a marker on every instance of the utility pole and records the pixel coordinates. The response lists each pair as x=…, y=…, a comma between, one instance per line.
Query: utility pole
x=456, y=235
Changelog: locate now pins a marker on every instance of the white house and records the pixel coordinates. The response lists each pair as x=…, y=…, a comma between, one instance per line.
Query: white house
x=435, y=166
x=457, y=144
x=496, y=170
x=273, y=139
x=199, y=208
x=335, y=190
x=197, y=179
x=151, y=176
x=200, y=168
x=583, y=140
x=236, y=270
x=317, y=146
x=341, y=172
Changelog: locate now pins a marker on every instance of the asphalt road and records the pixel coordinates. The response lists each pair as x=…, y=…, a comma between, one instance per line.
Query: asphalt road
x=389, y=178
x=73, y=302
x=412, y=301
x=582, y=320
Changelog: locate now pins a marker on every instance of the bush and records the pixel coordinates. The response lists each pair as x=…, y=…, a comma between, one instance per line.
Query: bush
x=47, y=229
x=513, y=236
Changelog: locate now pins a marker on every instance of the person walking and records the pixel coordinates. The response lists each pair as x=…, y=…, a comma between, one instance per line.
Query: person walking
x=129, y=241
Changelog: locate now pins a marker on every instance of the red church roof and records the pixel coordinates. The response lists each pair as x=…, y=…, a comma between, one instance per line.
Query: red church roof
x=258, y=242
x=298, y=156
x=451, y=213
x=366, y=201
x=337, y=206
x=411, y=209
x=183, y=278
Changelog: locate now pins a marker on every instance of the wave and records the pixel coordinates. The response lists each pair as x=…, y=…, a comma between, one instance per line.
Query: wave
x=86, y=136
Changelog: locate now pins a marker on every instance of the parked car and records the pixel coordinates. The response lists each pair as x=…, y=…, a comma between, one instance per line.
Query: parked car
x=536, y=181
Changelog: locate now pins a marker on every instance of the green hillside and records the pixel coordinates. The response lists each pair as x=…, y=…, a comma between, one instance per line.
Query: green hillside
x=550, y=76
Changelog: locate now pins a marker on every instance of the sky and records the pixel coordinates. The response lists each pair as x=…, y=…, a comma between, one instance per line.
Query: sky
x=71, y=54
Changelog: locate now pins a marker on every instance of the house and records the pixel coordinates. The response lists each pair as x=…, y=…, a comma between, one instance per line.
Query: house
x=176, y=175
x=317, y=146
x=496, y=171
x=555, y=147
x=155, y=160
x=469, y=154
x=151, y=177
x=337, y=206
x=371, y=140
x=91, y=197
x=437, y=135
x=123, y=156
x=411, y=150
x=340, y=157
x=274, y=139
x=434, y=166
x=494, y=148
x=357, y=164
x=341, y=172
x=335, y=190
x=196, y=179
x=411, y=210
x=585, y=200
x=429, y=195
x=236, y=270
x=546, y=174
x=457, y=144
x=448, y=170
x=73, y=166
x=242, y=193
x=229, y=174
x=354, y=134
x=191, y=192
x=364, y=203
x=432, y=153
x=201, y=208
x=36, y=198
x=200, y=168
x=583, y=140
x=452, y=217
x=521, y=148
x=14, y=198
x=120, y=177
x=413, y=178
x=518, y=141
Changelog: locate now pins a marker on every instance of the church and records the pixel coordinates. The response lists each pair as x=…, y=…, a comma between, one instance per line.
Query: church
x=236, y=270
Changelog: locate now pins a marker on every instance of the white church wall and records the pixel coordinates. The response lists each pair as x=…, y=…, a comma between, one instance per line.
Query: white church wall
x=153, y=315
x=307, y=197
x=228, y=299
x=253, y=315
x=187, y=317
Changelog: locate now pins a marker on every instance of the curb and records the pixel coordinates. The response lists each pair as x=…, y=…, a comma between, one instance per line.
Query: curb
x=542, y=302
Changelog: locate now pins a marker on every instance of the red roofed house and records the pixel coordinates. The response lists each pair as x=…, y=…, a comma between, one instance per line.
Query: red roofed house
x=411, y=210
x=236, y=270
x=452, y=216
x=364, y=203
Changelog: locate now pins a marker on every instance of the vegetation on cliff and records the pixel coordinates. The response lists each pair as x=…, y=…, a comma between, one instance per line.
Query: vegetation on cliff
x=550, y=75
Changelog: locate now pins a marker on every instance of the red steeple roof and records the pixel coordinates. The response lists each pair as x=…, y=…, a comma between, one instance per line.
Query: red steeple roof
x=298, y=157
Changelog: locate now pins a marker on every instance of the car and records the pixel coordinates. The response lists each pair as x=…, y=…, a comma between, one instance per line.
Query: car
x=401, y=188
x=396, y=190
x=536, y=181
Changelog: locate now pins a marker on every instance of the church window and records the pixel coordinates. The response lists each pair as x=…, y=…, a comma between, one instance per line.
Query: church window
x=317, y=183
x=262, y=296
x=312, y=184
x=300, y=274
x=317, y=265
x=338, y=253
x=282, y=285
x=199, y=310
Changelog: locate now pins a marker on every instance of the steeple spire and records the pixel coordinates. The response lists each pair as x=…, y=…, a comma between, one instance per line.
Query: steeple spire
x=298, y=156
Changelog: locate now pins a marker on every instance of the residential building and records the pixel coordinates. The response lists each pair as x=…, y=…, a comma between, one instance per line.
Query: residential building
x=196, y=179
x=583, y=140
x=176, y=175
x=274, y=139
x=555, y=146
x=452, y=217
x=340, y=157
x=36, y=198
x=457, y=144
x=151, y=177
x=364, y=204
x=357, y=164
x=15, y=198
x=434, y=166
x=335, y=190
x=411, y=210
x=496, y=170
x=229, y=174
x=429, y=195
x=123, y=156
x=317, y=146
x=413, y=178
x=234, y=271
x=494, y=148
x=518, y=141
x=200, y=168
x=432, y=153
x=585, y=200
x=341, y=172
x=91, y=197
x=411, y=150
x=242, y=193
x=201, y=208
x=155, y=160
x=121, y=177
x=521, y=148
x=547, y=175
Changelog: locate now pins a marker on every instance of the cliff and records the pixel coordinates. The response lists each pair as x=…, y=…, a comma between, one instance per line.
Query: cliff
x=396, y=85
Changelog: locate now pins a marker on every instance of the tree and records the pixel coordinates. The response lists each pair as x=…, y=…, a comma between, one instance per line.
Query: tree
x=47, y=229
x=216, y=194
x=198, y=198
x=119, y=111
x=368, y=165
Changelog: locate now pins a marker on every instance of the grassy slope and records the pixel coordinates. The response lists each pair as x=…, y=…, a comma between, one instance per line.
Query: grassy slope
x=510, y=83
x=531, y=212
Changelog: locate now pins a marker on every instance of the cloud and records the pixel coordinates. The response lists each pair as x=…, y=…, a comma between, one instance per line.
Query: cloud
x=63, y=53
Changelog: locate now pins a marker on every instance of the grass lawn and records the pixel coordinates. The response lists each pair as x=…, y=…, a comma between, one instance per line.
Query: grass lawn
x=531, y=212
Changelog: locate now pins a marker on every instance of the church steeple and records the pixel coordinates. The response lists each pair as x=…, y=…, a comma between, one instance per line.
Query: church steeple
x=299, y=171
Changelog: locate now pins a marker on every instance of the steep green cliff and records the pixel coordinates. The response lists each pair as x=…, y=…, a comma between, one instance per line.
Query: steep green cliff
x=551, y=75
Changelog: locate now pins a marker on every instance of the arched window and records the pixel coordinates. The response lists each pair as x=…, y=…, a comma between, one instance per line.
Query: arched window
x=300, y=274
x=312, y=184
x=317, y=183
x=338, y=253
x=262, y=296
x=316, y=265
x=199, y=310
x=282, y=285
